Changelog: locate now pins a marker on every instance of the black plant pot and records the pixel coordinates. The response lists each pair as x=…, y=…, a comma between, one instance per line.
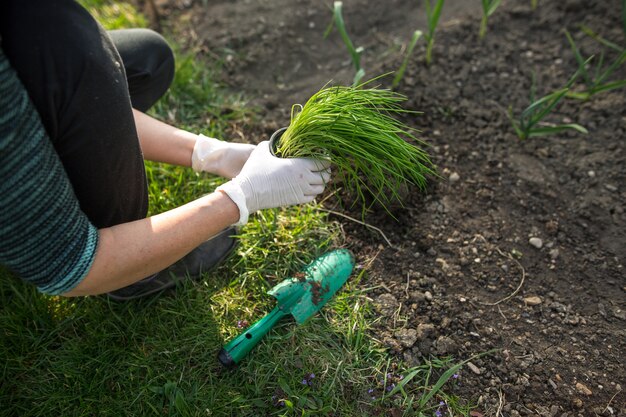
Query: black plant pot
x=274, y=139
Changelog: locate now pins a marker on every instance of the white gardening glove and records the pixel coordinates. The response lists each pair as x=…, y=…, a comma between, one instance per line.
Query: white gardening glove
x=219, y=157
x=266, y=181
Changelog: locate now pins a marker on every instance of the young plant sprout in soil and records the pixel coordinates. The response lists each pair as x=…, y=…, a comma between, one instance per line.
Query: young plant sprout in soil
x=489, y=7
x=374, y=153
x=433, y=12
x=355, y=53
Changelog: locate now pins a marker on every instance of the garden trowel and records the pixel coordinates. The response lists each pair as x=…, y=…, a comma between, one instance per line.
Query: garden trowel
x=301, y=296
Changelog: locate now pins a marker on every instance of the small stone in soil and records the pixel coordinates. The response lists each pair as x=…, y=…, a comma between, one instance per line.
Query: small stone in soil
x=473, y=368
x=533, y=300
x=582, y=388
x=454, y=177
x=536, y=242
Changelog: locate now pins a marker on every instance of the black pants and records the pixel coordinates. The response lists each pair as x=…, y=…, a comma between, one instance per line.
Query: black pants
x=84, y=82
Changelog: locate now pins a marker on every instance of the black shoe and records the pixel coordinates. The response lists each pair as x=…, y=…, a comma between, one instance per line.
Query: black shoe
x=202, y=259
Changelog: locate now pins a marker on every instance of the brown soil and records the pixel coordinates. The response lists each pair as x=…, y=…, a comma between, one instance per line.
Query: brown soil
x=462, y=276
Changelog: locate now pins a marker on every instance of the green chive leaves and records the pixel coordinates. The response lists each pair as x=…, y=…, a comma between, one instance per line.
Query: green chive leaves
x=356, y=128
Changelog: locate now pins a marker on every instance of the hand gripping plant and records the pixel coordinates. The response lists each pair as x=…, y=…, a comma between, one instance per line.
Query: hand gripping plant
x=356, y=129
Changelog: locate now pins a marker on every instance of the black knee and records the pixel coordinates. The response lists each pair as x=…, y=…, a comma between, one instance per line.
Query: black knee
x=149, y=64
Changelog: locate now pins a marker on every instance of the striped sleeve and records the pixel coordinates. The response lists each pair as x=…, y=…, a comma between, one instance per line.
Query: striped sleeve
x=44, y=236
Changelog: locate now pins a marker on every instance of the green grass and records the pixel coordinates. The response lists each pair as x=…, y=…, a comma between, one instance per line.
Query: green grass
x=91, y=356
x=115, y=14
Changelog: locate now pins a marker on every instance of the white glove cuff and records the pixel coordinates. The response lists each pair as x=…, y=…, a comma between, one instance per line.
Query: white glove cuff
x=207, y=153
x=234, y=191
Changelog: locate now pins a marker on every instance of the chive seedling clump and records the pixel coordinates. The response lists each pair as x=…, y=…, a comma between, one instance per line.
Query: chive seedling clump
x=357, y=130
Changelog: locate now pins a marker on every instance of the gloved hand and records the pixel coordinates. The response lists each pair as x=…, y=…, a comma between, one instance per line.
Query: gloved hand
x=219, y=157
x=266, y=181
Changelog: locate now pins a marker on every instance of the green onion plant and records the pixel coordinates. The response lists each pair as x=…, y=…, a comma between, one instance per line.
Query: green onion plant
x=355, y=53
x=400, y=73
x=530, y=122
x=356, y=128
x=489, y=7
x=596, y=81
x=433, y=12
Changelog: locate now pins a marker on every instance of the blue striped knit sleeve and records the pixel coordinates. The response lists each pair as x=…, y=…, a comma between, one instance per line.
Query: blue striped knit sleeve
x=44, y=236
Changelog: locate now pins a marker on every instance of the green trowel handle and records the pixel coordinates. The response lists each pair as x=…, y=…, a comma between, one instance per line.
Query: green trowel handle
x=238, y=348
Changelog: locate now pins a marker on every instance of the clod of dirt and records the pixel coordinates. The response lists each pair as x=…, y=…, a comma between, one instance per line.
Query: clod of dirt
x=424, y=330
x=445, y=345
x=386, y=304
x=406, y=337
x=318, y=291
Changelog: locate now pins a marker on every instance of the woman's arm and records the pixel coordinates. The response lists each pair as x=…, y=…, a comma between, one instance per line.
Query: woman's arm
x=131, y=251
x=161, y=142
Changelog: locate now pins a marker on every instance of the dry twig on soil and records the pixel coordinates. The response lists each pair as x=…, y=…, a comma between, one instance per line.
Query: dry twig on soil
x=359, y=222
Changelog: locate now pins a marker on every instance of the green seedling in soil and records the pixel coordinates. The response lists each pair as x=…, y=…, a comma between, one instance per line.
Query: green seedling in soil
x=533, y=4
x=355, y=53
x=489, y=7
x=355, y=128
x=432, y=17
x=529, y=124
x=400, y=74
x=596, y=80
